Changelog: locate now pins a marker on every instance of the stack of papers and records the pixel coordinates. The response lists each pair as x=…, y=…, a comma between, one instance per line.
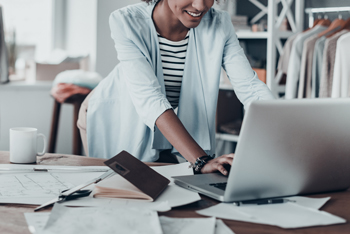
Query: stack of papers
x=118, y=220
x=173, y=195
x=303, y=212
x=21, y=184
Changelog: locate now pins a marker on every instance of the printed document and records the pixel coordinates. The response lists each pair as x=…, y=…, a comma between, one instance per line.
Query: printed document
x=101, y=220
x=37, y=221
x=303, y=212
x=27, y=185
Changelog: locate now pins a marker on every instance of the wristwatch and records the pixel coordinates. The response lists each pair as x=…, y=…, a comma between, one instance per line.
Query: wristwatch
x=200, y=163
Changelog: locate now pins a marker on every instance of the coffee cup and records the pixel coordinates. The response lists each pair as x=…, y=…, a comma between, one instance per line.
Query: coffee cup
x=23, y=145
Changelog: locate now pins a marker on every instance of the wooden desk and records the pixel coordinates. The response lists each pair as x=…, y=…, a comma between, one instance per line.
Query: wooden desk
x=12, y=220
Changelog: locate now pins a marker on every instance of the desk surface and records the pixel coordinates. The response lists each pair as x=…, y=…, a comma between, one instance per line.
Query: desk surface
x=12, y=219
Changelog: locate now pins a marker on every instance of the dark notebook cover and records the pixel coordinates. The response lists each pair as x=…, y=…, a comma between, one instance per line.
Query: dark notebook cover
x=139, y=174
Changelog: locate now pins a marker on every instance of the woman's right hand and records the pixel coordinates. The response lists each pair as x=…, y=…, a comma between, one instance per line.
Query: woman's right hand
x=217, y=164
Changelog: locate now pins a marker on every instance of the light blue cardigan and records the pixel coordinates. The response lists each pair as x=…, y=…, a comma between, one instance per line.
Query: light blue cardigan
x=125, y=106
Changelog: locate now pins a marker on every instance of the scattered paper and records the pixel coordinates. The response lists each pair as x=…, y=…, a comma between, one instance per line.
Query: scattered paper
x=187, y=225
x=101, y=220
x=193, y=225
x=285, y=215
x=161, y=206
x=314, y=203
x=173, y=195
x=16, y=168
x=26, y=185
x=55, y=181
x=36, y=221
x=221, y=228
x=181, y=169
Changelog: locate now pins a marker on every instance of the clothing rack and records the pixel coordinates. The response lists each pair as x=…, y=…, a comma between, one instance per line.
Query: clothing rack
x=312, y=11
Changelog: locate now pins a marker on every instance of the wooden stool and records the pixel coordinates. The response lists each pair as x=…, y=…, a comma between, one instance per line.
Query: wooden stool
x=76, y=100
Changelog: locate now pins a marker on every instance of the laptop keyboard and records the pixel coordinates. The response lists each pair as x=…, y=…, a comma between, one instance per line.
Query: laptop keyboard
x=221, y=186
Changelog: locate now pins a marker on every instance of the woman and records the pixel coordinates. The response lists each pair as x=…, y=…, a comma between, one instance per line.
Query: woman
x=171, y=53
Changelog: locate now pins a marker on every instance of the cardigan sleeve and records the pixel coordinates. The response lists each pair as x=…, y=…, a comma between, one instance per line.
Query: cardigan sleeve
x=244, y=80
x=136, y=71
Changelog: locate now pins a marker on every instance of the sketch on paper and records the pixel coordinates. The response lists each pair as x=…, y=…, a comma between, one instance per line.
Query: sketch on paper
x=187, y=225
x=31, y=185
x=102, y=220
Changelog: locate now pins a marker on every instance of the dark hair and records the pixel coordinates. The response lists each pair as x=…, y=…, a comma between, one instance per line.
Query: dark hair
x=149, y=1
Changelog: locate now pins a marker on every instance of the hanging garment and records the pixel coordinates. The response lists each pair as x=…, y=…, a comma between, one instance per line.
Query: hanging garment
x=328, y=64
x=341, y=83
x=284, y=58
x=317, y=67
x=295, y=61
x=306, y=66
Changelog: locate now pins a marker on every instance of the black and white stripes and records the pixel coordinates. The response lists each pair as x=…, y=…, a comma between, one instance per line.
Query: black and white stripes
x=173, y=54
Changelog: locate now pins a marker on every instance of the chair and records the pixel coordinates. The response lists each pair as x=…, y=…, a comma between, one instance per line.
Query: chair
x=76, y=100
x=71, y=87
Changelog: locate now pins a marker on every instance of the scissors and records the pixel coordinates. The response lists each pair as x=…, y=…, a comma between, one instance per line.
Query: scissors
x=76, y=192
x=75, y=195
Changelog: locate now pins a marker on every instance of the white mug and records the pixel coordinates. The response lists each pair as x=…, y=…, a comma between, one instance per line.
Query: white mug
x=23, y=145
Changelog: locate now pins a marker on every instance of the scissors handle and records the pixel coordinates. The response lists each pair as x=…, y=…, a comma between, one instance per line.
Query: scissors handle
x=77, y=194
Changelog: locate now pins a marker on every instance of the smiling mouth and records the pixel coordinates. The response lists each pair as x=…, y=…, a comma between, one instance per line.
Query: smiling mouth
x=194, y=14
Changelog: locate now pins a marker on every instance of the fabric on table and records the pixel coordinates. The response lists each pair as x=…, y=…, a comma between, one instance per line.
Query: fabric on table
x=341, y=84
x=295, y=61
x=306, y=66
x=62, y=91
x=284, y=58
x=328, y=64
x=317, y=67
x=81, y=78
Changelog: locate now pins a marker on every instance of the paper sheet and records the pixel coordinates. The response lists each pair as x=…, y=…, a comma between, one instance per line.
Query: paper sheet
x=101, y=220
x=15, y=168
x=187, y=225
x=302, y=213
x=105, y=202
x=193, y=225
x=221, y=228
x=173, y=195
x=37, y=221
x=25, y=185
x=43, y=181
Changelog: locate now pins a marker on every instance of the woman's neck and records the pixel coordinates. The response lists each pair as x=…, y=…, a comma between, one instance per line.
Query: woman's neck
x=167, y=24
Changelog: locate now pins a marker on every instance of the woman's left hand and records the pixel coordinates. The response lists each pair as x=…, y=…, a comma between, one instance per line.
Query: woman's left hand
x=217, y=164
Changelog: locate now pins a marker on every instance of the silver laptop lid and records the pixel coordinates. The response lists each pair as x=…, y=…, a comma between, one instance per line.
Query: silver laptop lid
x=290, y=147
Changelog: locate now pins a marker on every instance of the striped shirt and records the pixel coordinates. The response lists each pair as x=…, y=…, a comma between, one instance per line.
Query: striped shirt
x=173, y=55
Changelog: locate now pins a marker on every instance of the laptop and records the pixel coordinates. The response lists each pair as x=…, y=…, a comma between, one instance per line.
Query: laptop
x=285, y=148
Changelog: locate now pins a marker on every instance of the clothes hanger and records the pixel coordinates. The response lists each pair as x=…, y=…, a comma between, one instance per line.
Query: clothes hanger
x=335, y=26
x=319, y=17
x=346, y=24
x=342, y=27
x=325, y=21
x=316, y=22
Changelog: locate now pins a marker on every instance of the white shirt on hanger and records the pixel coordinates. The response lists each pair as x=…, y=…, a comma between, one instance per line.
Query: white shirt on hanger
x=295, y=61
x=341, y=75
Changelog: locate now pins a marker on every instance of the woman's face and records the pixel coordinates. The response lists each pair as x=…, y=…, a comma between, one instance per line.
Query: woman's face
x=190, y=12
